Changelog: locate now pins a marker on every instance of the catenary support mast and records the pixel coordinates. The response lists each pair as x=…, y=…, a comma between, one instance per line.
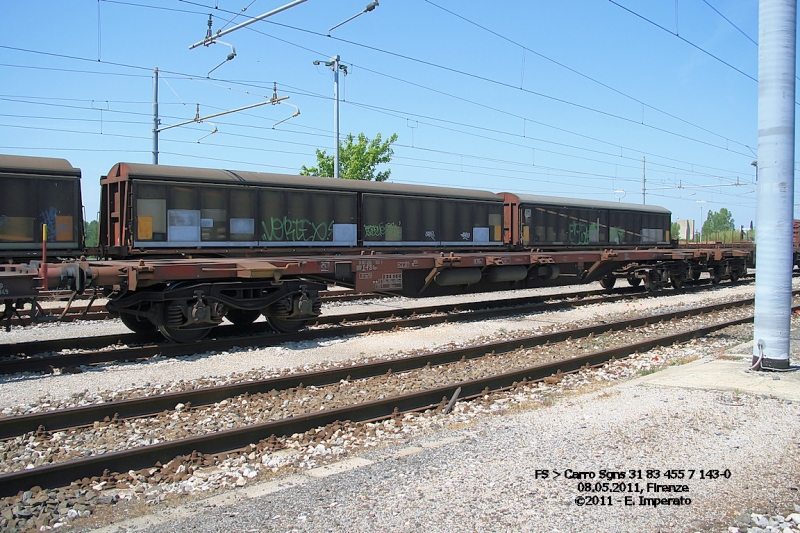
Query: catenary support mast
x=777, y=29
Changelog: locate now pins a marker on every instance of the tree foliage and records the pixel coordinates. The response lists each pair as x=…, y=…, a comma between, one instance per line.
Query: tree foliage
x=90, y=229
x=717, y=222
x=358, y=159
x=675, y=231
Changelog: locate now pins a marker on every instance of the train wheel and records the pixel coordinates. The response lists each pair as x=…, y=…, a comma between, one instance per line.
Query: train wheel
x=279, y=313
x=184, y=335
x=695, y=274
x=634, y=281
x=677, y=281
x=735, y=275
x=137, y=324
x=716, y=275
x=652, y=281
x=608, y=282
x=242, y=317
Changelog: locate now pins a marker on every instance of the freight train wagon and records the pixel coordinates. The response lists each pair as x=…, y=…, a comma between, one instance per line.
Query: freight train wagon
x=37, y=191
x=548, y=222
x=168, y=211
x=182, y=248
x=165, y=211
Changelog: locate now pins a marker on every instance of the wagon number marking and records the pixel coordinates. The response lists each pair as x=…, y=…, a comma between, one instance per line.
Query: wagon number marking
x=367, y=265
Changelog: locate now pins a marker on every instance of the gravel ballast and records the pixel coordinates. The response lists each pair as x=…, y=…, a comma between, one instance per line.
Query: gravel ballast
x=23, y=390
x=474, y=469
x=482, y=476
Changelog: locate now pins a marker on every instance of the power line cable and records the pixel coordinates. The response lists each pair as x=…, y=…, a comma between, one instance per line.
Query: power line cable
x=522, y=89
x=160, y=8
x=132, y=66
x=308, y=93
x=570, y=173
x=75, y=58
x=61, y=105
x=690, y=43
x=549, y=172
x=581, y=74
x=729, y=22
x=682, y=171
x=404, y=114
x=75, y=71
x=573, y=173
x=737, y=28
x=421, y=86
x=482, y=78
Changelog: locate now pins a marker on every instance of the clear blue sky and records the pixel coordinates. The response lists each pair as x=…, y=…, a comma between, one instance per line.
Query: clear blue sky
x=559, y=98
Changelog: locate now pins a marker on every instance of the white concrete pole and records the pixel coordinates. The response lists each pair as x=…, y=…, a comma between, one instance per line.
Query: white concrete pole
x=777, y=29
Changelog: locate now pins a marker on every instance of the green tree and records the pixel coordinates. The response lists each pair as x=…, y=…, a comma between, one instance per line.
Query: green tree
x=358, y=159
x=90, y=229
x=718, y=223
x=675, y=231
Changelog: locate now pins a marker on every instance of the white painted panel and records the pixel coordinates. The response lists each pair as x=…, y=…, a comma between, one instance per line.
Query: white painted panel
x=480, y=235
x=184, y=225
x=243, y=226
x=345, y=234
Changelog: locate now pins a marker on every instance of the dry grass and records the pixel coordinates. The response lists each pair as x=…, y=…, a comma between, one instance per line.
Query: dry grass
x=730, y=357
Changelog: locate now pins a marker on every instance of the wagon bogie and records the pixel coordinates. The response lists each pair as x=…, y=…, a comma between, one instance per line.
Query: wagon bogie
x=189, y=307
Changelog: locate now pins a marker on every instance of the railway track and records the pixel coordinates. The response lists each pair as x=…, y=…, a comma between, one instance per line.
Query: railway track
x=72, y=353
x=449, y=377
x=43, y=313
x=93, y=311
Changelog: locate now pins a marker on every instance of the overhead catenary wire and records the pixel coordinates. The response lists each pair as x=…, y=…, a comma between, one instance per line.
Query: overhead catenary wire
x=475, y=76
x=577, y=72
x=655, y=163
x=462, y=155
x=201, y=79
x=740, y=30
x=523, y=90
x=548, y=171
x=690, y=43
x=401, y=114
x=612, y=115
x=576, y=147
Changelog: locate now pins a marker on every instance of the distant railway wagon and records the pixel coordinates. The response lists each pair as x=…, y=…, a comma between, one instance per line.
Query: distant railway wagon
x=36, y=191
x=796, y=244
x=548, y=222
x=149, y=209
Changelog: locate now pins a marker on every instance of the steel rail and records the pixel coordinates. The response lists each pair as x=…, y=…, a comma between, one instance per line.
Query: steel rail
x=33, y=347
x=148, y=405
x=260, y=334
x=143, y=352
x=61, y=474
x=80, y=313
